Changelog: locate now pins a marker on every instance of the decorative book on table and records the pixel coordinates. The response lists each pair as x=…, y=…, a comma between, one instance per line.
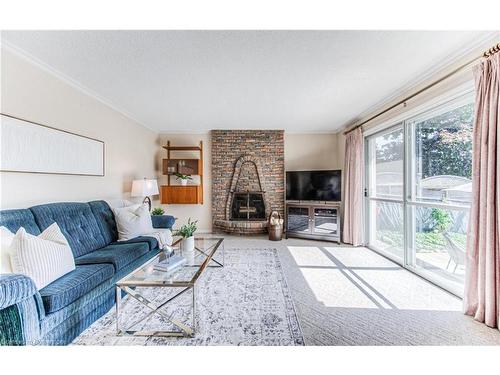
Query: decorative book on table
x=170, y=264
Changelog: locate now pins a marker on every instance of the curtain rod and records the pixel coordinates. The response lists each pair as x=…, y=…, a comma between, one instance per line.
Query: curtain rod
x=487, y=53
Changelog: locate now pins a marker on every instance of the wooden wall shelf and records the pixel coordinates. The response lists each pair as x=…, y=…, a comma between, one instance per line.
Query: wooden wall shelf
x=184, y=166
x=183, y=148
x=179, y=194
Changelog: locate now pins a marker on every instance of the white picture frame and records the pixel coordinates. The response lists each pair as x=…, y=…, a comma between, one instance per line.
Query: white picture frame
x=29, y=147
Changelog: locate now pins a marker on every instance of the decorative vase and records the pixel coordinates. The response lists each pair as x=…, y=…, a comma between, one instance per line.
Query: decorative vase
x=184, y=182
x=188, y=244
x=187, y=247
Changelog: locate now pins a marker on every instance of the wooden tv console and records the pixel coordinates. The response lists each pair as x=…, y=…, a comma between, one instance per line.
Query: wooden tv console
x=313, y=220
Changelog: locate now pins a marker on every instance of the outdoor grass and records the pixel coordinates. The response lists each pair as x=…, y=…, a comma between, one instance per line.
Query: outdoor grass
x=426, y=242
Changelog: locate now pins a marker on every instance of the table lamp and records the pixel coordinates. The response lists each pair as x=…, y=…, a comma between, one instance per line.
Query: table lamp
x=144, y=188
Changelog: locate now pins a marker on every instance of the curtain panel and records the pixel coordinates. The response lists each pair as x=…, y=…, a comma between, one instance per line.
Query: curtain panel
x=482, y=282
x=353, y=188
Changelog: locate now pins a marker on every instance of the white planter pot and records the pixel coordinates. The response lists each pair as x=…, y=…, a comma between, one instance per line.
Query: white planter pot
x=184, y=182
x=188, y=244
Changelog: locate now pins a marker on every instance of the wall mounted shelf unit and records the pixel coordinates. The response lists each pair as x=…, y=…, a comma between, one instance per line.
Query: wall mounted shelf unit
x=191, y=165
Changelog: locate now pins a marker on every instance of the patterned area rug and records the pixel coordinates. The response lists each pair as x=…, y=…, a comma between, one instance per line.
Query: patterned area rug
x=247, y=302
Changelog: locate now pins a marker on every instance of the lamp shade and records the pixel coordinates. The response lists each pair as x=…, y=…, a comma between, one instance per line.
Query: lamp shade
x=144, y=188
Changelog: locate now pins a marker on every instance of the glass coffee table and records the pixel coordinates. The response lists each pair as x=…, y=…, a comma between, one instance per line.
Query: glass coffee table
x=208, y=252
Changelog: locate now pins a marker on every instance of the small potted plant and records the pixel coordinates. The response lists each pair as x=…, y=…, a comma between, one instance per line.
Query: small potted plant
x=187, y=234
x=183, y=178
x=157, y=211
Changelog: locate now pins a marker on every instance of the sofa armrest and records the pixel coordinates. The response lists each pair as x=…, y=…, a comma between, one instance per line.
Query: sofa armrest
x=21, y=310
x=163, y=221
x=15, y=288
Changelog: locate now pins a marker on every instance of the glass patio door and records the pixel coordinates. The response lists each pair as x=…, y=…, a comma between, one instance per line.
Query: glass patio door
x=418, y=191
x=385, y=192
x=440, y=191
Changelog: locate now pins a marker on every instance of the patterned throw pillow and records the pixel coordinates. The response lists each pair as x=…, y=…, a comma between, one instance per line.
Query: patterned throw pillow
x=43, y=258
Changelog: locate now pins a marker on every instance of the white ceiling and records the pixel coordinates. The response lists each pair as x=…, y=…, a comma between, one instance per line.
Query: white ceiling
x=194, y=81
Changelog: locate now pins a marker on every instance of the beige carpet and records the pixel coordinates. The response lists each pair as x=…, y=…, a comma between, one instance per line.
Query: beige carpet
x=353, y=296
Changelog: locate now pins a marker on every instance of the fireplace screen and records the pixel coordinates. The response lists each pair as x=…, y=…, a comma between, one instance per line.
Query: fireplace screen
x=248, y=206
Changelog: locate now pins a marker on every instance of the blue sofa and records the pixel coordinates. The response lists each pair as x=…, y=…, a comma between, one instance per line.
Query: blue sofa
x=59, y=312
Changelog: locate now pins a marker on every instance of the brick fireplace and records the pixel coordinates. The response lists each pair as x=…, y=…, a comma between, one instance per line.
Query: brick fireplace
x=247, y=179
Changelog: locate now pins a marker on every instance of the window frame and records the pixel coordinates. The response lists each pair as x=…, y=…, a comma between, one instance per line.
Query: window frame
x=452, y=99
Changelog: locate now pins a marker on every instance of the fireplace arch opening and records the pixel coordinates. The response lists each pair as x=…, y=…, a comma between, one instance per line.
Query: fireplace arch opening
x=248, y=206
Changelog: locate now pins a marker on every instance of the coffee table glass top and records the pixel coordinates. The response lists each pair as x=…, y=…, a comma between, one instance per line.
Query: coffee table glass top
x=208, y=252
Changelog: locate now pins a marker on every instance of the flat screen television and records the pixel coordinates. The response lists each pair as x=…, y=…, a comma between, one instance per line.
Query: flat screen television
x=313, y=185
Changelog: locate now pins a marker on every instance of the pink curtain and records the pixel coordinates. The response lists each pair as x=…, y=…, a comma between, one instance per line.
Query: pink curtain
x=482, y=283
x=353, y=188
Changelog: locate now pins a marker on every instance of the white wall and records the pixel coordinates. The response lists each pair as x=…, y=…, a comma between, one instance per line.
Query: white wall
x=311, y=151
x=32, y=93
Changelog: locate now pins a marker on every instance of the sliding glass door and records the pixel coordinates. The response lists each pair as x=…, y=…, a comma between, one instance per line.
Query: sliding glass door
x=385, y=192
x=439, y=196
x=418, y=191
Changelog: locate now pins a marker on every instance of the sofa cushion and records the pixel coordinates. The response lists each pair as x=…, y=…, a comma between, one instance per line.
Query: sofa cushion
x=105, y=219
x=77, y=222
x=15, y=219
x=151, y=241
x=74, y=285
x=119, y=255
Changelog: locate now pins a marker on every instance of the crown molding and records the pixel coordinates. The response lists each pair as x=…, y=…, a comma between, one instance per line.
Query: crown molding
x=69, y=81
x=475, y=46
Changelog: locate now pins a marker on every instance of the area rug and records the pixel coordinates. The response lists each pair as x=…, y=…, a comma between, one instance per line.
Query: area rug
x=247, y=302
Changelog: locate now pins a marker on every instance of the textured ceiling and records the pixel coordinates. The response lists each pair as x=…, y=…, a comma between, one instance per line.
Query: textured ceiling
x=194, y=81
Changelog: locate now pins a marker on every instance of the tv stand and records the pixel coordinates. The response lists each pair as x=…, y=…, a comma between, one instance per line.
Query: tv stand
x=313, y=220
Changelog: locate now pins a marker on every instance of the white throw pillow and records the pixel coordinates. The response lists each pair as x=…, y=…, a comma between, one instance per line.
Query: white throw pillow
x=6, y=241
x=118, y=203
x=43, y=258
x=133, y=221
